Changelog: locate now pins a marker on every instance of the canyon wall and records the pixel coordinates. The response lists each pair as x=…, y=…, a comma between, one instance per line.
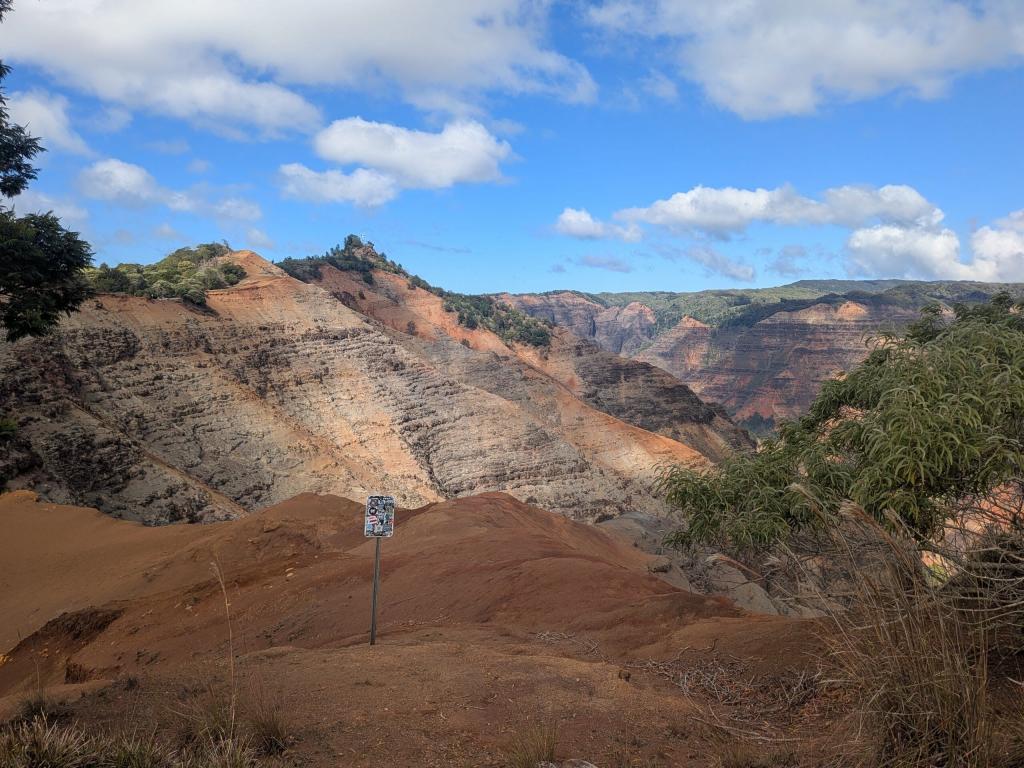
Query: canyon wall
x=160, y=411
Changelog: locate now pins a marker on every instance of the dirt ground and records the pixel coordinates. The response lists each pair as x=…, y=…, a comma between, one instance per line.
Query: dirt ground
x=496, y=618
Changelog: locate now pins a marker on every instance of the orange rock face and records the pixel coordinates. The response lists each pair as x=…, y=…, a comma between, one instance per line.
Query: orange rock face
x=159, y=411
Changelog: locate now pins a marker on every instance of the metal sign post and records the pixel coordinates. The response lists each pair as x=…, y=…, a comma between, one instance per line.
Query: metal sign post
x=376, y=588
x=379, y=523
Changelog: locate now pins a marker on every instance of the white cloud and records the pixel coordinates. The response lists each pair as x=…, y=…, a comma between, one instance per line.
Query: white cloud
x=236, y=63
x=722, y=212
x=726, y=210
x=66, y=210
x=895, y=231
x=361, y=187
x=198, y=165
x=659, y=86
x=997, y=252
x=257, y=238
x=45, y=116
x=132, y=186
x=110, y=119
x=893, y=203
x=236, y=208
x=392, y=158
x=773, y=58
x=892, y=251
x=463, y=151
x=123, y=183
x=579, y=223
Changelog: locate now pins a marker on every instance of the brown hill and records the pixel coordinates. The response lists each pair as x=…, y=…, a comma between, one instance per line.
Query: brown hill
x=159, y=411
x=495, y=616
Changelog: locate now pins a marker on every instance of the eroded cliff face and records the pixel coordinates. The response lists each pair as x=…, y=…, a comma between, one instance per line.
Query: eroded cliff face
x=774, y=368
x=771, y=369
x=152, y=410
x=620, y=330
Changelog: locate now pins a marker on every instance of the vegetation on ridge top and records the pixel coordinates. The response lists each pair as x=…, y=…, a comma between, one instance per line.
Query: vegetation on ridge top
x=186, y=273
x=508, y=323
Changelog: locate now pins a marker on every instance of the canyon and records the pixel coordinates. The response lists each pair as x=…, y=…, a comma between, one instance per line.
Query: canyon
x=762, y=354
x=160, y=411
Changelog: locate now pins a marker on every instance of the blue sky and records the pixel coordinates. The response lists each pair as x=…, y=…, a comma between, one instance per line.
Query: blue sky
x=527, y=146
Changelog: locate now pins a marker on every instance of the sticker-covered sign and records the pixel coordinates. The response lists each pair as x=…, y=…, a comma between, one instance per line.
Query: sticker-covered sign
x=380, y=517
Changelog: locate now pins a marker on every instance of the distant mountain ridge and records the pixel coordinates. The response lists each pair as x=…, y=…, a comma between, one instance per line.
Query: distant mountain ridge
x=763, y=352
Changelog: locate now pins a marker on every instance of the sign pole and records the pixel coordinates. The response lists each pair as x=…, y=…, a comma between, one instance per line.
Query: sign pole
x=376, y=586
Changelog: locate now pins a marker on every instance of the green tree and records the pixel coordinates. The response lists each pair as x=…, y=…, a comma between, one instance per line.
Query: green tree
x=41, y=262
x=929, y=419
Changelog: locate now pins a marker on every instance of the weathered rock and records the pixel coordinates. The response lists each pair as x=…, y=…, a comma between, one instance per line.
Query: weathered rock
x=770, y=369
x=150, y=410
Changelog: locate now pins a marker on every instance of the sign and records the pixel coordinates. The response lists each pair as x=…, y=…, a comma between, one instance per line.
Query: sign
x=379, y=522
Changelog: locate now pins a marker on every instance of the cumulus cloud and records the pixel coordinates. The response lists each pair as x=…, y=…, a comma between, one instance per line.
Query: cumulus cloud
x=392, y=158
x=463, y=151
x=362, y=187
x=893, y=251
x=997, y=252
x=241, y=60
x=579, y=223
x=45, y=115
x=722, y=212
x=894, y=231
x=132, y=186
x=796, y=56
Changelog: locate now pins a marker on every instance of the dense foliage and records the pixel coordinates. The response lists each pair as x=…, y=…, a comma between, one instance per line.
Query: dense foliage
x=187, y=273
x=354, y=256
x=927, y=419
x=508, y=323
x=40, y=261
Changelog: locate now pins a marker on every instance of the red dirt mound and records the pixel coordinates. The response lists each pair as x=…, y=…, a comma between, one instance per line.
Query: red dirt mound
x=492, y=611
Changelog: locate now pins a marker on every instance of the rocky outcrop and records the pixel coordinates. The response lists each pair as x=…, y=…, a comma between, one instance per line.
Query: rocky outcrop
x=774, y=368
x=620, y=330
x=767, y=370
x=152, y=410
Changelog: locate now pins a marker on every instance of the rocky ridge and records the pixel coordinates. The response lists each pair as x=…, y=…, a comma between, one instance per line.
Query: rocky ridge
x=158, y=411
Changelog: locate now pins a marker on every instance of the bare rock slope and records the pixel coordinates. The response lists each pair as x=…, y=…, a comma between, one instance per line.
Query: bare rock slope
x=157, y=411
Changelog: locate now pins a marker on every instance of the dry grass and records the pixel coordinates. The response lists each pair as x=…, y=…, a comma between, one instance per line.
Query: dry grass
x=267, y=727
x=532, y=746
x=744, y=754
x=39, y=705
x=42, y=744
x=914, y=655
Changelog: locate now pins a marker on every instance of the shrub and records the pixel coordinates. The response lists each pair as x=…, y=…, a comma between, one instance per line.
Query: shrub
x=187, y=273
x=533, y=746
x=40, y=706
x=914, y=657
x=42, y=743
x=927, y=420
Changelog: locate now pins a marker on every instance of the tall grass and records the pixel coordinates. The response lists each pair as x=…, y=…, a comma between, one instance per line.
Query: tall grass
x=913, y=651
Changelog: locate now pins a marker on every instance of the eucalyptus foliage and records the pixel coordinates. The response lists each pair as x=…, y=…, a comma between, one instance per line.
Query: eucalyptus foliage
x=927, y=419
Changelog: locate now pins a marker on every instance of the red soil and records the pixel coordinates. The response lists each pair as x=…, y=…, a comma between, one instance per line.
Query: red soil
x=494, y=615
